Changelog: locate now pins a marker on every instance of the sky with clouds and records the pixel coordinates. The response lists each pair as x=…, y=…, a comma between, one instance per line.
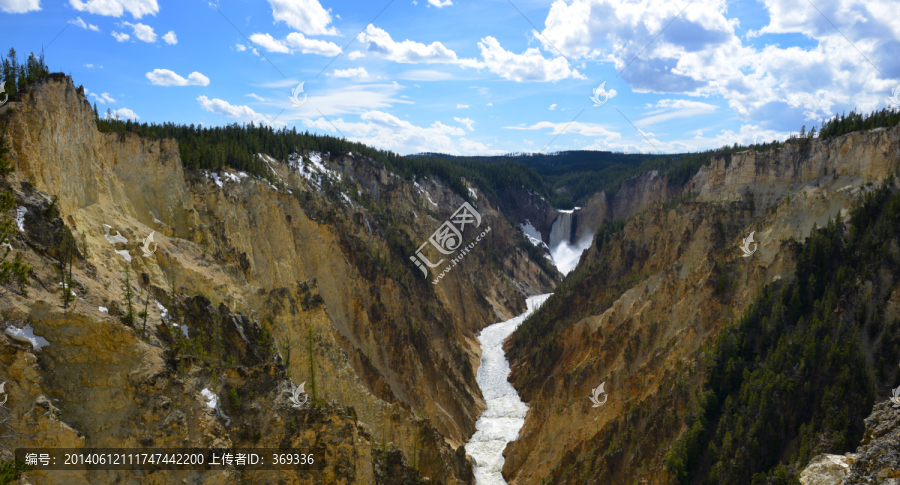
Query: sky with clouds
x=477, y=77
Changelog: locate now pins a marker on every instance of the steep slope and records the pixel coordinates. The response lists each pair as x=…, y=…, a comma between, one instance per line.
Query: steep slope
x=316, y=268
x=646, y=300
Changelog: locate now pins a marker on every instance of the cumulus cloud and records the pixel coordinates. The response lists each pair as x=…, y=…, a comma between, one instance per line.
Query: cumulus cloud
x=440, y=3
x=380, y=43
x=359, y=72
x=122, y=114
x=103, y=98
x=465, y=121
x=170, y=37
x=461, y=106
x=356, y=55
x=81, y=23
x=531, y=65
x=121, y=37
x=701, y=53
x=294, y=42
x=142, y=31
x=552, y=107
x=20, y=6
x=116, y=8
x=307, y=16
x=386, y=131
x=229, y=110
x=165, y=77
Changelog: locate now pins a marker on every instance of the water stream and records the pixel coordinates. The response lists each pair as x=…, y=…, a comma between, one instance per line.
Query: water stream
x=505, y=414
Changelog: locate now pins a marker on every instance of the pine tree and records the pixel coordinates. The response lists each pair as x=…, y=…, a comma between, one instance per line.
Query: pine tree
x=128, y=292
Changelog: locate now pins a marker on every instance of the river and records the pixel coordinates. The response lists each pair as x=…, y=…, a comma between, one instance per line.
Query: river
x=505, y=414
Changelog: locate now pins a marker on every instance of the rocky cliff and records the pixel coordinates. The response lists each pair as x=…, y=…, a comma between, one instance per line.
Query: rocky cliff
x=639, y=312
x=253, y=283
x=877, y=460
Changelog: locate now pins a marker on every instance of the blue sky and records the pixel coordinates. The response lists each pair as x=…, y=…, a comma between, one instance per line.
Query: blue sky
x=477, y=77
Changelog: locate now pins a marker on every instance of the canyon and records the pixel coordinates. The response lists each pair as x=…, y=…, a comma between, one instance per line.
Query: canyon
x=311, y=275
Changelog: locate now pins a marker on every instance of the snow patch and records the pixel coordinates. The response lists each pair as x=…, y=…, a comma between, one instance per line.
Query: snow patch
x=216, y=179
x=26, y=334
x=213, y=402
x=103, y=309
x=532, y=234
x=20, y=218
x=163, y=312
x=125, y=254
x=472, y=193
x=314, y=170
x=118, y=238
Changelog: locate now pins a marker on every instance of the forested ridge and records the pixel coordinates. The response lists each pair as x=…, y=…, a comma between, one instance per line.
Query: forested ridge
x=796, y=374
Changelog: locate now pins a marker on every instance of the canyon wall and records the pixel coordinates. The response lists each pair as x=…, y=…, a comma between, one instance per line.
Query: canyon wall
x=395, y=355
x=642, y=306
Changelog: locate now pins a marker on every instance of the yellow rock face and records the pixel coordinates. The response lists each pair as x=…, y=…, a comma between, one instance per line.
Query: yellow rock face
x=395, y=356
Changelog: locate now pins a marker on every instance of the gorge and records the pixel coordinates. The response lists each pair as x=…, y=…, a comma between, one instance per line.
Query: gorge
x=272, y=271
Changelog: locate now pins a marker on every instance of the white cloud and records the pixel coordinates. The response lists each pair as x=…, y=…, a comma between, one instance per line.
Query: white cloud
x=441, y=3
x=120, y=37
x=465, y=121
x=80, y=23
x=490, y=104
x=676, y=108
x=165, y=77
x=747, y=135
x=700, y=54
x=462, y=106
x=359, y=72
x=142, y=31
x=269, y=43
x=352, y=99
x=170, y=37
x=122, y=114
x=255, y=96
x=356, y=55
x=424, y=75
x=103, y=98
x=528, y=66
x=386, y=131
x=552, y=107
x=224, y=108
x=586, y=129
x=307, y=16
x=89, y=65
x=295, y=41
x=240, y=47
x=116, y=8
x=312, y=46
x=380, y=43
x=20, y=6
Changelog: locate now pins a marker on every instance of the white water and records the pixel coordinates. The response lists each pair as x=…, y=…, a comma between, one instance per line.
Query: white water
x=505, y=414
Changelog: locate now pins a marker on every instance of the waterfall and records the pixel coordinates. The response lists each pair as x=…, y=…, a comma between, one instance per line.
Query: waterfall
x=563, y=249
x=561, y=231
